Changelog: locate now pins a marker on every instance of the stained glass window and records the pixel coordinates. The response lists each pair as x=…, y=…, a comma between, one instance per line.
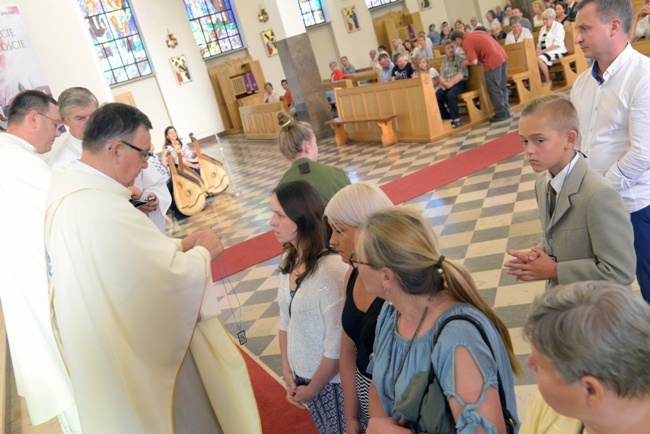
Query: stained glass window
x=214, y=26
x=312, y=12
x=117, y=40
x=376, y=3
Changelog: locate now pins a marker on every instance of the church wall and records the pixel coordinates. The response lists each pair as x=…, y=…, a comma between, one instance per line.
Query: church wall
x=190, y=107
x=465, y=10
x=68, y=57
x=64, y=50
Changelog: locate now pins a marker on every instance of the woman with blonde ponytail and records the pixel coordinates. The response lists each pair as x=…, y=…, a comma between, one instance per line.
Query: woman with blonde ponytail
x=399, y=260
x=298, y=144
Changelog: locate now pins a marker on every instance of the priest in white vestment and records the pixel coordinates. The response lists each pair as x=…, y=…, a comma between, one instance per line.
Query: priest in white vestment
x=41, y=377
x=135, y=312
x=76, y=105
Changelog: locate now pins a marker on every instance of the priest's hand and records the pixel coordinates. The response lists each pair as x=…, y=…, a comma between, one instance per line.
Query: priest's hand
x=190, y=241
x=211, y=240
x=151, y=206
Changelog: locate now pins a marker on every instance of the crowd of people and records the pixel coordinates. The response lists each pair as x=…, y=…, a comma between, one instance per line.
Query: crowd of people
x=116, y=329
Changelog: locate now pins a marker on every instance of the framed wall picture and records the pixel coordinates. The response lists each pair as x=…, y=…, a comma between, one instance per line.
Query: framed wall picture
x=424, y=4
x=350, y=18
x=181, y=72
x=268, y=37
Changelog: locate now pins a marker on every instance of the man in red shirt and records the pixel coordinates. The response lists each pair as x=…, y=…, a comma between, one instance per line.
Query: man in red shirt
x=481, y=47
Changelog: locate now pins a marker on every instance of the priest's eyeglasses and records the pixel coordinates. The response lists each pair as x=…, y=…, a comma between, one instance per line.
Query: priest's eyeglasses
x=145, y=155
x=57, y=124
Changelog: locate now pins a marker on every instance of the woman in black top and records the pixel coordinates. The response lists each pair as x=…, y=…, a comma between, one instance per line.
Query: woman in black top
x=346, y=211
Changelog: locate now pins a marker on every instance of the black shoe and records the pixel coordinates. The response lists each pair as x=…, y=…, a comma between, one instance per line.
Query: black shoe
x=455, y=124
x=497, y=119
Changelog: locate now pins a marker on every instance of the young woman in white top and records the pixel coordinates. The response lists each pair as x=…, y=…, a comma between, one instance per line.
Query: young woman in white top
x=310, y=296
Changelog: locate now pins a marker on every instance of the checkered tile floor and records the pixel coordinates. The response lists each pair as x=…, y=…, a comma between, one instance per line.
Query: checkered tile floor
x=477, y=218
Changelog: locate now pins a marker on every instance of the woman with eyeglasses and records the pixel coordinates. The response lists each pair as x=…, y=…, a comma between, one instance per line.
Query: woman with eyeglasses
x=345, y=212
x=399, y=260
x=310, y=296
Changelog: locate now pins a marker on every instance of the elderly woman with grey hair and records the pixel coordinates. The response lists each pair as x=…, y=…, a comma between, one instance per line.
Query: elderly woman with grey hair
x=590, y=352
x=550, y=45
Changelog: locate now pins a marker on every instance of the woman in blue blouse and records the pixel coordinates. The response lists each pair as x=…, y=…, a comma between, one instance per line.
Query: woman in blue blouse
x=399, y=260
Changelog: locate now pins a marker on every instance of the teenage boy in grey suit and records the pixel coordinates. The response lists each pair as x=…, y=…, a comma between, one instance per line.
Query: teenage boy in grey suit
x=587, y=233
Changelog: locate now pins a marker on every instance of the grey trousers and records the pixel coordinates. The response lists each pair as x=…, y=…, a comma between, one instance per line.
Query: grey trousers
x=497, y=88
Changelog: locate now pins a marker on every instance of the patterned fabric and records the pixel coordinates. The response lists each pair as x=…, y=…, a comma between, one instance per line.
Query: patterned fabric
x=326, y=408
x=363, y=387
x=451, y=68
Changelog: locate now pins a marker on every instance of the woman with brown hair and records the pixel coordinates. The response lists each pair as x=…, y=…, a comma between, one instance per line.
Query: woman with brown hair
x=399, y=260
x=310, y=296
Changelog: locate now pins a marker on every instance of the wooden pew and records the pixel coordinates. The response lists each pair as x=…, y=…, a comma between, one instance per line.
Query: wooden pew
x=331, y=85
x=260, y=122
x=572, y=64
x=642, y=46
x=475, y=98
x=385, y=124
x=371, y=75
x=523, y=72
x=412, y=101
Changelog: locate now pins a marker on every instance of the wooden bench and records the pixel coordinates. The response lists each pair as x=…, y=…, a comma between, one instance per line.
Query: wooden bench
x=642, y=46
x=413, y=101
x=388, y=136
x=523, y=72
x=475, y=98
x=371, y=75
x=331, y=85
x=260, y=122
x=572, y=64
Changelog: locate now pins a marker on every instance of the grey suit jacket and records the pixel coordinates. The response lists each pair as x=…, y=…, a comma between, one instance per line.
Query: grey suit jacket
x=591, y=234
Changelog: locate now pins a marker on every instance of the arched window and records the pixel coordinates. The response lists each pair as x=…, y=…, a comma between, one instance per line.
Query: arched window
x=312, y=12
x=376, y=3
x=117, y=40
x=214, y=26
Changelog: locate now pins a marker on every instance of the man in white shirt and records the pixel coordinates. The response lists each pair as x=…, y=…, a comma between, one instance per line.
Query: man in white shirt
x=386, y=68
x=76, y=104
x=517, y=32
x=41, y=377
x=613, y=103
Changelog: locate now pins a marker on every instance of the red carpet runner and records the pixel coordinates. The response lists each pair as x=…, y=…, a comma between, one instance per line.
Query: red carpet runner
x=278, y=416
x=263, y=247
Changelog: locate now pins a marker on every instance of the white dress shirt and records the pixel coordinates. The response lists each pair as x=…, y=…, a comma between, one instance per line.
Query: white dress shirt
x=525, y=34
x=615, y=124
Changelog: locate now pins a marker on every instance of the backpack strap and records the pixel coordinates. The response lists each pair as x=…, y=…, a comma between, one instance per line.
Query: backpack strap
x=509, y=420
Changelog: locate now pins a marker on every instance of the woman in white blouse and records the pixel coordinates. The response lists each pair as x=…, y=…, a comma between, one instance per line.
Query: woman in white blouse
x=550, y=45
x=310, y=296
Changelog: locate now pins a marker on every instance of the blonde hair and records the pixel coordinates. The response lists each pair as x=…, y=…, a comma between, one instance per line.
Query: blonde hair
x=417, y=65
x=292, y=135
x=540, y=4
x=401, y=240
x=353, y=204
x=561, y=114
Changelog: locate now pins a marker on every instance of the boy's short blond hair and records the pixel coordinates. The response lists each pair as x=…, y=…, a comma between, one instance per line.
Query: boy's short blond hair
x=560, y=113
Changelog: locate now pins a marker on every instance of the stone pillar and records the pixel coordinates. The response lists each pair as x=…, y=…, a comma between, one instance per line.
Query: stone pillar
x=301, y=71
x=299, y=64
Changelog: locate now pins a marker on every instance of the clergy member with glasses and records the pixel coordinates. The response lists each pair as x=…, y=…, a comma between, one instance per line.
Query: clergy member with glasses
x=134, y=312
